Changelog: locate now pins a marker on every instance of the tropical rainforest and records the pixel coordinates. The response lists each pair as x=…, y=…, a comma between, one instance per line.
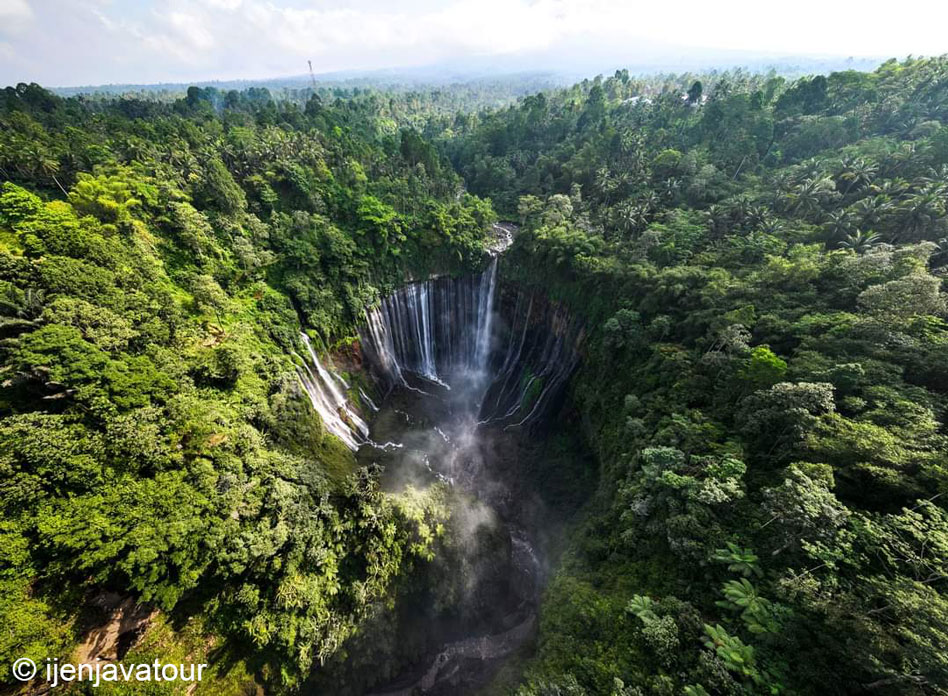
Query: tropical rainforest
x=758, y=266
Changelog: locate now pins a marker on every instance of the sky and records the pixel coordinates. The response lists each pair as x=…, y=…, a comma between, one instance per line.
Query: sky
x=60, y=43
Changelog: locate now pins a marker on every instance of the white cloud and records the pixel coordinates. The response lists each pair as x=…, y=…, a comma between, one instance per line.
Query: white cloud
x=15, y=15
x=192, y=30
x=93, y=41
x=224, y=4
x=14, y=9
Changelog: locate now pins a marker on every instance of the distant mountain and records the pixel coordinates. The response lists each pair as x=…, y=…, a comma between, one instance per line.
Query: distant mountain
x=525, y=73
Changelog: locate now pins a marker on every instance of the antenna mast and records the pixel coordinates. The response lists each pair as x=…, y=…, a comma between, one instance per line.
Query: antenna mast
x=312, y=77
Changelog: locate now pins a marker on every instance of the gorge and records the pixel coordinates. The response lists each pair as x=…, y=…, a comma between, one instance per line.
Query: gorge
x=463, y=370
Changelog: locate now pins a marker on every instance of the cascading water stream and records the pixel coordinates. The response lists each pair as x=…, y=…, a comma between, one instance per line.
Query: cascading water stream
x=330, y=403
x=337, y=414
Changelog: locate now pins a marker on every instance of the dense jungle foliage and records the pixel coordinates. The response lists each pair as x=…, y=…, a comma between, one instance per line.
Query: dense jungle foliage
x=157, y=263
x=760, y=266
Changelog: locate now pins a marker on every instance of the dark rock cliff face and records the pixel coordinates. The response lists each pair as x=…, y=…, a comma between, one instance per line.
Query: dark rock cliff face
x=537, y=346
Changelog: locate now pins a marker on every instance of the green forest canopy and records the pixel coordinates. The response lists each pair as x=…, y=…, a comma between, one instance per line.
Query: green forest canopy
x=761, y=266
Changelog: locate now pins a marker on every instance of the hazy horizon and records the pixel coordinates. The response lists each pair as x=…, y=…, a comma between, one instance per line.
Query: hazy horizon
x=444, y=75
x=205, y=41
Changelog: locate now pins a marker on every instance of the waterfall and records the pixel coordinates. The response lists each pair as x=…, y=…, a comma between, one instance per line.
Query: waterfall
x=438, y=329
x=509, y=366
x=443, y=330
x=485, y=319
x=330, y=403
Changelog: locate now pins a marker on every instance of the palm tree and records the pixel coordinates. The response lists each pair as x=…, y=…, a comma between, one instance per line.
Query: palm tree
x=808, y=196
x=650, y=201
x=781, y=184
x=761, y=218
x=815, y=168
x=839, y=223
x=903, y=154
x=635, y=217
x=605, y=183
x=43, y=164
x=670, y=188
x=892, y=188
x=740, y=211
x=860, y=242
x=870, y=211
x=719, y=219
x=937, y=177
x=858, y=172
